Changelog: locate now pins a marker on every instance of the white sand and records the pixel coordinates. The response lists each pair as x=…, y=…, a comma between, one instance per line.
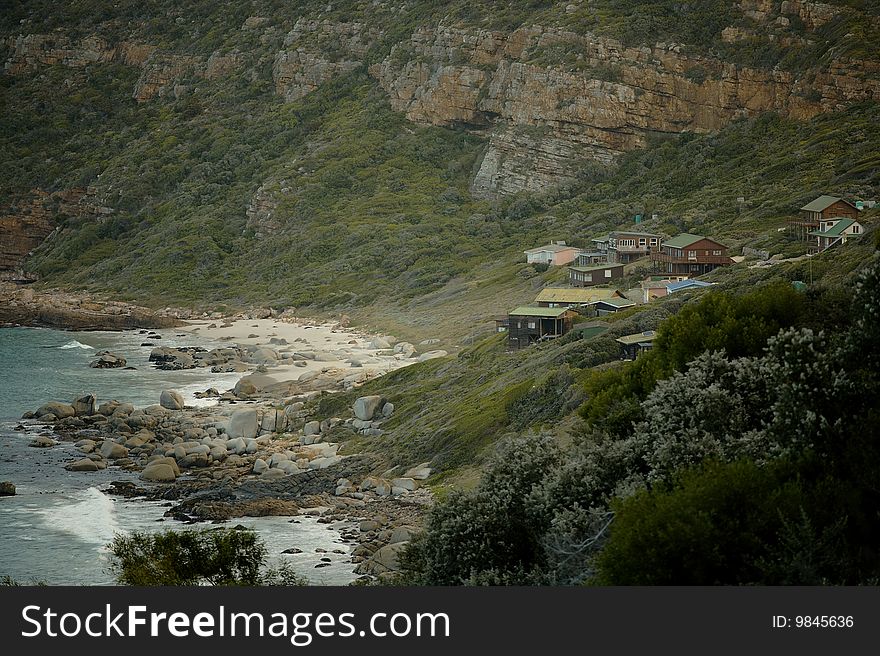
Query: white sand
x=334, y=347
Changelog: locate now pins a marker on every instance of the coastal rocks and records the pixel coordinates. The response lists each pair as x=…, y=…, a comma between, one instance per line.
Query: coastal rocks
x=82, y=465
x=407, y=484
x=56, y=409
x=113, y=451
x=107, y=360
x=385, y=559
x=312, y=428
x=7, y=489
x=171, y=400
x=159, y=472
x=42, y=442
x=172, y=359
x=84, y=406
x=245, y=388
x=243, y=423
x=431, y=355
x=419, y=472
x=365, y=407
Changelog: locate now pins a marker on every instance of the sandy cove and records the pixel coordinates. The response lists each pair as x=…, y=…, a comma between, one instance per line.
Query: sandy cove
x=263, y=449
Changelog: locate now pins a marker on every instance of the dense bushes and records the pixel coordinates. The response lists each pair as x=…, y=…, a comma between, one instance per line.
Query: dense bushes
x=753, y=469
x=205, y=557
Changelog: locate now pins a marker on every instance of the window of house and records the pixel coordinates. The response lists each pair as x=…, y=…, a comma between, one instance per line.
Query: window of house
x=692, y=255
x=607, y=273
x=716, y=252
x=531, y=324
x=642, y=241
x=856, y=228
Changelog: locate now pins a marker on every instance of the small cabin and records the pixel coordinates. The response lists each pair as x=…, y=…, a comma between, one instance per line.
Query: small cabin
x=632, y=345
x=528, y=325
x=556, y=253
x=610, y=306
x=685, y=285
x=597, y=274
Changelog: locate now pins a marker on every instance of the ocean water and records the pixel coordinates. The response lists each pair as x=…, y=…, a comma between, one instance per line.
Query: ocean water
x=57, y=526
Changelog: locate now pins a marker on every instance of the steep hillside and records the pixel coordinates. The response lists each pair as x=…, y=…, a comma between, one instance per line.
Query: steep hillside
x=391, y=160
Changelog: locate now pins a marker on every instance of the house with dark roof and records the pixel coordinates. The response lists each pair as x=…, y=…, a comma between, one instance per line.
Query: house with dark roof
x=605, y=306
x=597, y=274
x=821, y=209
x=692, y=255
x=834, y=231
x=528, y=325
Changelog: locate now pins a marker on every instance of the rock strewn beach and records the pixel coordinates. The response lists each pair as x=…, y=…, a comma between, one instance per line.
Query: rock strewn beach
x=263, y=449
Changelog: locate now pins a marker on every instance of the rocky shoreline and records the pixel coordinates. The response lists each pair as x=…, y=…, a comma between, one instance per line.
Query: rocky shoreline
x=263, y=449
x=22, y=306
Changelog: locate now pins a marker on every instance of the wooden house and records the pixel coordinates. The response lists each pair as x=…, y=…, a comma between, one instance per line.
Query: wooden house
x=597, y=274
x=816, y=211
x=688, y=254
x=627, y=246
x=832, y=232
x=632, y=345
x=528, y=325
x=555, y=254
x=572, y=297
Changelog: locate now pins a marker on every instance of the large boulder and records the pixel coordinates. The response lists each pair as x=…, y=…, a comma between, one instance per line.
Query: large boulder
x=419, y=472
x=107, y=360
x=113, y=451
x=365, y=407
x=107, y=408
x=59, y=410
x=432, y=355
x=171, y=400
x=387, y=559
x=84, y=464
x=85, y=405
x=165, y=460
x=158, y=472
x=245, y=388
x=312, y=428
x=264, y=356
x=243, y=423
x=7, y=489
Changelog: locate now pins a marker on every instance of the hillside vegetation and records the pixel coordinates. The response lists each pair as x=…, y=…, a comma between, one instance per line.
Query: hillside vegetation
x=376, y=219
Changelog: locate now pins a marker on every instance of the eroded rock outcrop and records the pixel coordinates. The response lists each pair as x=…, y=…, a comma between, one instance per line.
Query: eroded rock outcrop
x=542, y=120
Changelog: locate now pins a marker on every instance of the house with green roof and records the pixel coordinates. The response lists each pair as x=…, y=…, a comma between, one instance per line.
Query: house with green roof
x=834, y=231
x=690, y=255
x=820, y=209
x=632, y=345
x=528, y=324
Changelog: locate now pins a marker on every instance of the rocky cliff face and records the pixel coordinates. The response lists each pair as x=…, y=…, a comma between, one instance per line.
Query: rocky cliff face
x=548, y=99
x=317, y=51
x=543, y=120
x=26, y=223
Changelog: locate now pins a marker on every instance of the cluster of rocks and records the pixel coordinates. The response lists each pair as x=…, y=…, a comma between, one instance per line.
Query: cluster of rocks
x=107, y=360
